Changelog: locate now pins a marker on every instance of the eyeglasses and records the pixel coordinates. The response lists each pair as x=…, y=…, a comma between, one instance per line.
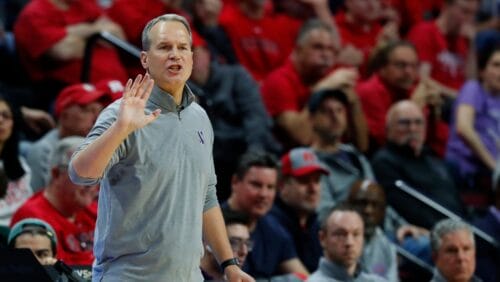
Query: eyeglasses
x=6, y=114
x=238, y=243
x=403, y=65
x=406, y=122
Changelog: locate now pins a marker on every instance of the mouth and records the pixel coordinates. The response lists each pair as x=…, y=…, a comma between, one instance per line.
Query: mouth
x=174, y=68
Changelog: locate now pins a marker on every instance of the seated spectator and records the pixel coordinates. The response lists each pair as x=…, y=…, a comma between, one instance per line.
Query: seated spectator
x=70, y=209
x=487, y=255
x=286, y=90
x=17, y=171
x=52, y=51
x=405, y=158
x=233, y=103
x=206, y=23
x=444, y=44
x=331, y=114
x=295, y=208
x=379, y=254
x=253, y=192
x=454, y=251
x=241, y=244
x=262, y=39
x=475, y=130
x=37, y=235
x=360, y=31
x=341, y=237
x=395, y=78
x=76, y=108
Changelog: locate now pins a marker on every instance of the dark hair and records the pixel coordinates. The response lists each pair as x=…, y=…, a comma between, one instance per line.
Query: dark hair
x=380, y=56
x=10, y=152
x=308, y=26
x=255, y=158
x=318, y=97
x=235, y=217
x=342, y=206
x=485, y=54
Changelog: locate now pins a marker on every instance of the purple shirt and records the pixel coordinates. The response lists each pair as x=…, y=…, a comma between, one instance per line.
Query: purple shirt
x=487, y=125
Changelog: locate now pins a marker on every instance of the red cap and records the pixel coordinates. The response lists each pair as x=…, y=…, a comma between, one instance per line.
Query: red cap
x=301, y=161
x=114, y=88
x=79, y=94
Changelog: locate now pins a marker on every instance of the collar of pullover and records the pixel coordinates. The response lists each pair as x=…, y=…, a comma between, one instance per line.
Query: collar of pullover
x=165, y=101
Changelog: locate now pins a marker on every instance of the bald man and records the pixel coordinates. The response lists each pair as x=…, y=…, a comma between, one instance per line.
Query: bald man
x=405, y=158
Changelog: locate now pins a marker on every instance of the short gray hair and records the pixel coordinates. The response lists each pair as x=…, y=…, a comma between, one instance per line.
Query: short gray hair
x=61, y=156
x=146, y=41
x=447, y=226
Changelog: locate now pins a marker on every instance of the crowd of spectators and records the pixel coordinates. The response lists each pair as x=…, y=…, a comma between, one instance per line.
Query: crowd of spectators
x=322, y=111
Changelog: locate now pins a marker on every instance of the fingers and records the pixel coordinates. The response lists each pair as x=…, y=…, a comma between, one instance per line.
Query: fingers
x=153, y=116
x=141, y=87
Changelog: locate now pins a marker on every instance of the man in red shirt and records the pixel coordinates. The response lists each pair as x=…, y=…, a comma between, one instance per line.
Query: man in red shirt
x=287, y=89
x=395, y=79
x=70, y=209
x=443, y=45
x=51, y=37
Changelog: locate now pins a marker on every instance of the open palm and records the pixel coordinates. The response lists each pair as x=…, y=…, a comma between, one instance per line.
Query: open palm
x=131, y=115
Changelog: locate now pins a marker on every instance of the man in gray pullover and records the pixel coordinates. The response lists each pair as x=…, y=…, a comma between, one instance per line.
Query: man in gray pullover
x=152, y=153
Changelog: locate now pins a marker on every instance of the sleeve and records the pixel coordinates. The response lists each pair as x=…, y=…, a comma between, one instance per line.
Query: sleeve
x=469, y=94
x=36, y=33
x=211, y=195
x=277, y=95
x=105, y=120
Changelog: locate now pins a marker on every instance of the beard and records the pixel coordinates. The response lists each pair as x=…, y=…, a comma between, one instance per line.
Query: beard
x=327, y=136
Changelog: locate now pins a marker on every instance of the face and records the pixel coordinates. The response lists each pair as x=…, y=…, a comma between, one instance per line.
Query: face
x=169, y=60
x=358, y=8
x=407, y=127
x=241, y=244
x=369, y=200
x=254, y=194
x=38, y=244
x=79, y=119
x=6, y=122
x=76, y=196
x=491, y=73
x=401, y=71
x=315, y=55
x=342, y=240
x=456, y=257
x=330, y=120
x=201, y=65
x=302, y=192
x=461, y=12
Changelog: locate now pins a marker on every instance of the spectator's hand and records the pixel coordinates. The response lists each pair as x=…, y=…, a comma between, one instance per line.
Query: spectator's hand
x=48, y=261
x=131, y=115
x=390, y=32
x=468, y=31
x=410, y=231
x=105, y=24
x=234, y=274
x=350, y=56
x=340, y=78
x=37, y=120
x=426, y=93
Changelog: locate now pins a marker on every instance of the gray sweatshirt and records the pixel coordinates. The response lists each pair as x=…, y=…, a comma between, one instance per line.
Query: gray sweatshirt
x=153, y=194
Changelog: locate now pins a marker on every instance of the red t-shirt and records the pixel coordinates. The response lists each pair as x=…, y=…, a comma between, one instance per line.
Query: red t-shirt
x=41, y=25
x=376, y=99
x=75, y=240
x=447, y=57
x=261, y=45
x=283, y=90
x=358, y=36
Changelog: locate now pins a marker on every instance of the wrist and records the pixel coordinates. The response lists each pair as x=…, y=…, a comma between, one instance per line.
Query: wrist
x=229, y=262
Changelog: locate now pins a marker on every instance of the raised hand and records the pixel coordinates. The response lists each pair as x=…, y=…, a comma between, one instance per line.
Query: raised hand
x=131, y=115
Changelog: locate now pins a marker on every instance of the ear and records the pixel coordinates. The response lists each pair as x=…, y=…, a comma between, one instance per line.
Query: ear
x=54, y=173
x=144, y=60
